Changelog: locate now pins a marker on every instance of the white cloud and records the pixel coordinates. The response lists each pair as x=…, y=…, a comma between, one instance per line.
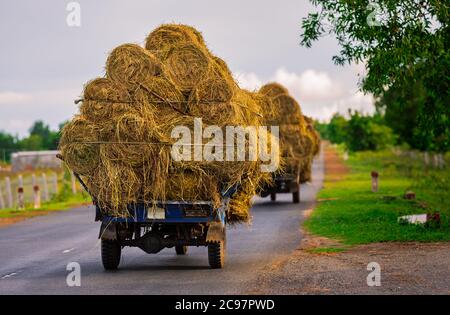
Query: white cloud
x=319, y=95
x=18, y=111
x=249, y=81
x=11, y=98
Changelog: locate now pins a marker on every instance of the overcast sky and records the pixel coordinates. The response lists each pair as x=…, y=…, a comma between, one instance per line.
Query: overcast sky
x=44, y=62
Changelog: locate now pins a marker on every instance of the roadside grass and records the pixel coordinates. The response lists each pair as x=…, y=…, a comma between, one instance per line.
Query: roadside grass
x=72, y=201
x=350, y=212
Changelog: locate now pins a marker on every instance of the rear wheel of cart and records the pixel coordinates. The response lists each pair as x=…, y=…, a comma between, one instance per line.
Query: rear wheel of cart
x=111, y=252
x=273, y=196
x=216, y=254
x=181, y=250
x=296, y=195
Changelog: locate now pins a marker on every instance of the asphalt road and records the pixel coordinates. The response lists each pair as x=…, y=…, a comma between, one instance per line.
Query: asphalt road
x=34, y=253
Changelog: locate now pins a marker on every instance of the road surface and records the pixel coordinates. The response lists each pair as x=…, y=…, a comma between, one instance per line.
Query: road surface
x=34, y=254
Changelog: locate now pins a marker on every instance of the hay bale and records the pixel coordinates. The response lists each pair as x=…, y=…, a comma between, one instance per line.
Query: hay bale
x=193, y=186
x=315, y=135
x=77, y=149
x=103, y=99
x=130, y=63
x=115, y=186
x=131, y=142
x=217, y=86
x=162, y=92
x=187, y=66
x=273, y=89
x=161, y=40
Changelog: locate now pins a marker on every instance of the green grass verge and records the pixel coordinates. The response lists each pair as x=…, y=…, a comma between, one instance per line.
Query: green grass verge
x=353, y=214
x=70, y=202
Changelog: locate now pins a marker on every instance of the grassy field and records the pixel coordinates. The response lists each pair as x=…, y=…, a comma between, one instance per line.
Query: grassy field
x=350, y=212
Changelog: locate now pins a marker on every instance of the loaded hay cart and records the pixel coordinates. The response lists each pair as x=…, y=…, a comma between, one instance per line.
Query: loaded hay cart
x=285, y=182
x=169, y=224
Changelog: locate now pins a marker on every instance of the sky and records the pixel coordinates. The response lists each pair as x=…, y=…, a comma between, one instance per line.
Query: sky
x=44, y=62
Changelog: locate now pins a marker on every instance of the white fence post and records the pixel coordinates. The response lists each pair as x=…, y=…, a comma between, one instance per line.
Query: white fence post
x=45, y=187
x=9, y=196
x=20, y=194
x=55, y=182
x=435, y=160
x=74, y=186
x=2, y=200
x=36, y=197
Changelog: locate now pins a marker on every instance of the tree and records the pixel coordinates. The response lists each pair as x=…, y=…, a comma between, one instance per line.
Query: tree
x=336, y=130
x=49, y=138
x=401, y=43
x=32, y=143
x=367, y=133
x=8, y=144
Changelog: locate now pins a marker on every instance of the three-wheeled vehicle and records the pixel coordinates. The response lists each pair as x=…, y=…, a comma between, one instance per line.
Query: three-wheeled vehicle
x=285, y=182
x=168, y=224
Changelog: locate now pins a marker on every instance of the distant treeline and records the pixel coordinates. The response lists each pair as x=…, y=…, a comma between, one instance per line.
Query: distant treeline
x=40, y=137
x=364, y=132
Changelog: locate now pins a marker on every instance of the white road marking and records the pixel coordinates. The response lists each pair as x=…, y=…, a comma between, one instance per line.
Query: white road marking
x=68, y=250
x=9, y=275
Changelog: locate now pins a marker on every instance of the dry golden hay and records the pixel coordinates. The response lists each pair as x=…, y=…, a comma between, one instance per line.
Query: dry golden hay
x=250, y=113
x=193, y=186
x=314, y=134
x=305, y=171
x=104, y=98
x=162, y=92
x=77, y=147
x=162, y=39
x=130, y=63
x=114, y=186
x=131, y=142
x=270, y=113
x=187, y=65
x=288, y=108
x=273, y=89
x=222, y=65
x=217, y=86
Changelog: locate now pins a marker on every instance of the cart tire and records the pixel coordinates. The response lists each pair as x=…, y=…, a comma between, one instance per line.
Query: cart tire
x=296, y=195
x=273, y=196
x=111, y=252
x=216, y=255
x=181, y=250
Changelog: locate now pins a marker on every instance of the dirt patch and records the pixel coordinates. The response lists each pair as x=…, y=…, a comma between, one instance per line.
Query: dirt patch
x=335, y=169
x=405, y=268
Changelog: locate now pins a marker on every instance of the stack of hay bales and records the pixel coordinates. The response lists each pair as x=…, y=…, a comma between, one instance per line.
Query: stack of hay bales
x=299, y=142
x=120, y=142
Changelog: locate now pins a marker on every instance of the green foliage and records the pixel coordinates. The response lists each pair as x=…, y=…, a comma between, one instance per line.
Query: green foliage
x=337, y=129
x=8, y=144
x=367, y=133
x=40, y=138
x=65, y=190
x=402, y=43
x=358, y=133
